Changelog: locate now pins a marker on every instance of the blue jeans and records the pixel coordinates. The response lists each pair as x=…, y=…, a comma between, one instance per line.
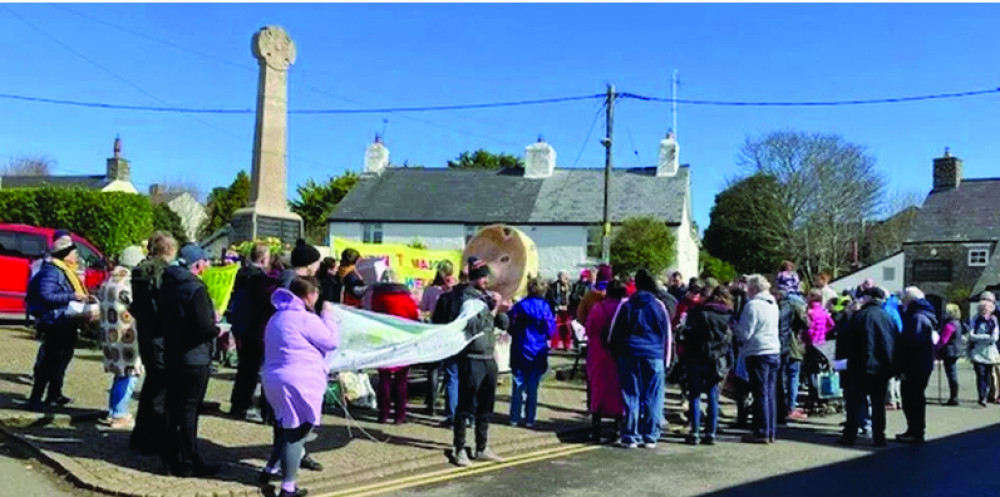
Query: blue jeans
x=701, y=379
x=790, y=384
x=642, y=389
x=525, y=384
x=450, y=368
x=121, y=392
x=763, y=371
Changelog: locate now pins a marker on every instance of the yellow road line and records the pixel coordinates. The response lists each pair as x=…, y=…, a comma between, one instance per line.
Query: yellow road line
x=455, y=473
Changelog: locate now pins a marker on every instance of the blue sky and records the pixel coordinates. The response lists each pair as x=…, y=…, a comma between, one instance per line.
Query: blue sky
x=382, y=55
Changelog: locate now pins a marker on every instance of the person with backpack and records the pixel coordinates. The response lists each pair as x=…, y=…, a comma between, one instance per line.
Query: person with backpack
x=706, y=344
x=793, y=323
x=949, y=349
x=50, y=294
x=147, y=281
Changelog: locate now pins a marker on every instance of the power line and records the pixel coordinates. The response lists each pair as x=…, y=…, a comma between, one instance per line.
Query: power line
x=830, y=103
x=586, y=140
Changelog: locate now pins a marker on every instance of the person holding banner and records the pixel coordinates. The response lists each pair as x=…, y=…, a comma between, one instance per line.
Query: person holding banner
x=445, y=312
x=443, y=283
x=477, y=367
x=392, y=298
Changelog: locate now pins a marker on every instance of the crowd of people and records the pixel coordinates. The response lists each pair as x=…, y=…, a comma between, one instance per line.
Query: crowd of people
x=746, y=337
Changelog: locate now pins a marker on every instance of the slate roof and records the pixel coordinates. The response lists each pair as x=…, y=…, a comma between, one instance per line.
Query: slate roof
x=93, y=182
x=964, y=214
x=569, y=196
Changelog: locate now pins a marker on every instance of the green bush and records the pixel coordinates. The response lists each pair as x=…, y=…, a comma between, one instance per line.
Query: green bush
x=111, y=221
x=642, y=243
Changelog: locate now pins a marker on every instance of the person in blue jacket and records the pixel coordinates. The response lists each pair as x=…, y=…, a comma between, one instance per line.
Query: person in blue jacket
x=532, y=325
x=640, y=342
x=49, y=294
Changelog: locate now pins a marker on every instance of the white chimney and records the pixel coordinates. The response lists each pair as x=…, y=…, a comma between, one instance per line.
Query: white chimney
x=670, y=152
x=376, y=157
x=539, y=160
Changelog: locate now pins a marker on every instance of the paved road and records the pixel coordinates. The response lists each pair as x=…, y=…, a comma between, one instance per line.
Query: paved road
x=961, y=462
x=28, y=478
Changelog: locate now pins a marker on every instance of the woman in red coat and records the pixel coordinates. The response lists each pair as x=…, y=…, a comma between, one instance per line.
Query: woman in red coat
x=394, y=299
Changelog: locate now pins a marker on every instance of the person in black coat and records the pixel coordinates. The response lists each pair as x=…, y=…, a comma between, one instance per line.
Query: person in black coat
x=251, y=309
x=706, y=342
x=147, y=281
x=915, y=358
x=868, y=343
x=189, y=326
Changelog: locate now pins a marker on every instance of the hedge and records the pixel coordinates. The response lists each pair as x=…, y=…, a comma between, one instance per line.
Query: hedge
x=111, y=221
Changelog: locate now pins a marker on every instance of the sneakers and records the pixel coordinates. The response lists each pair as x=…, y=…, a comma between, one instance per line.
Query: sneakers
x=797, y=415
x=461, y=458
x=488, y=455
x=299, y=492
x=626, y=445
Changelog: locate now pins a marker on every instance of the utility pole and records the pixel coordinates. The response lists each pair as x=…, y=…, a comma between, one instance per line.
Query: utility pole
x=606, y=141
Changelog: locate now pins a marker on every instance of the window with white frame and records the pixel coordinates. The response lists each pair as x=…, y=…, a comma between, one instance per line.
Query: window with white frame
x=470, y=231
x=372, y=233
x=978, y=256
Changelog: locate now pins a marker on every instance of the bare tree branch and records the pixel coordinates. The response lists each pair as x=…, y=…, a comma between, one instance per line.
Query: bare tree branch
x=27, y=165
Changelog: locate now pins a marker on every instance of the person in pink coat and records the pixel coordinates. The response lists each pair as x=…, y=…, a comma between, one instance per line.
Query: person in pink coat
x=602, y=370
x=820, y=321
x=297, y=343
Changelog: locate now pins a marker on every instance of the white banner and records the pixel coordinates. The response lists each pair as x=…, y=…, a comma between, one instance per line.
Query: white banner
x=370, y=340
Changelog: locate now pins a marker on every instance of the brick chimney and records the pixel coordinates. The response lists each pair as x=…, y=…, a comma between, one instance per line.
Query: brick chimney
x=376, y=157
x=539, y=160
x=947, y=172
x=118, y=167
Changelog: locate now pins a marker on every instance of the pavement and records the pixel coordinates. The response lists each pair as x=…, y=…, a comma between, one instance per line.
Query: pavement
x=27, y=477
x=353, y=451
x=958, y=459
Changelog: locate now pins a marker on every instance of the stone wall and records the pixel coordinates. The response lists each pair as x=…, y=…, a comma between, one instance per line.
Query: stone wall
x=963, y=276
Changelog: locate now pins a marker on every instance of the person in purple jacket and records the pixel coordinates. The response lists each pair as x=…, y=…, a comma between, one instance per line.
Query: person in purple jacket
x=294, y=376
x=532, y=325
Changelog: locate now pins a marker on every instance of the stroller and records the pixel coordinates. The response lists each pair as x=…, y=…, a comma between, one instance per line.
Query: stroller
x=823, y=381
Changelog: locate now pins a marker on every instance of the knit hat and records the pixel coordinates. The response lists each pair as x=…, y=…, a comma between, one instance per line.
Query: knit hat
x=477, y=269
x=131, y=256
x=62, y=247
x=603, y=276
x=304, y=254
x=191, y=254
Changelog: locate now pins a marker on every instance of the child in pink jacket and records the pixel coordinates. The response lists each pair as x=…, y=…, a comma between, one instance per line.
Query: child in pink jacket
x=820, y=321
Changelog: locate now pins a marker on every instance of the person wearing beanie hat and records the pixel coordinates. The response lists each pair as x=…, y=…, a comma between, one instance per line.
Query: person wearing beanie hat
x=189, y=328
x=477, y=367
x=50, y=293
x=118, y=338
x=305, y=262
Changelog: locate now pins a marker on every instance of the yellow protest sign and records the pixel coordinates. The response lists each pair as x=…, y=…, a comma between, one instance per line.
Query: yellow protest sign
x=414, y=267
x=220, y=281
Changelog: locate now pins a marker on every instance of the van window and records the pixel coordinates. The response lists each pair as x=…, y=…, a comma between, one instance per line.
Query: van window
x=18, y=244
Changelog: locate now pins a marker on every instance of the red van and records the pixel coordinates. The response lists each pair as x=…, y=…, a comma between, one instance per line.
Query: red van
x=21, y=245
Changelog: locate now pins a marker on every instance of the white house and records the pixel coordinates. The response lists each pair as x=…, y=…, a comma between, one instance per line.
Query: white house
x=887, y=273
x=191, y=212
x=559, y=208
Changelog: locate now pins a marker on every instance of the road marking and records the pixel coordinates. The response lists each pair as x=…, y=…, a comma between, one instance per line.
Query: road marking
x=455, y=473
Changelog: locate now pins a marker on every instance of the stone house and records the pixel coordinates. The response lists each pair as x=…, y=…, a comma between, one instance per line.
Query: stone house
x=561, y=209
x=117, y=178
x=951, y=250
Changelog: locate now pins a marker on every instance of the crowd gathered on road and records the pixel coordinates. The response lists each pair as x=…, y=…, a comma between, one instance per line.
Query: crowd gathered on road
x=759, y=340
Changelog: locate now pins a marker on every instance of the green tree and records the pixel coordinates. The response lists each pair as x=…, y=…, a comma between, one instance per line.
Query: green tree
x=223, y=202
x=483, y=159
x=317, y=200
x=642, y=243
x=167, y=220
x=749, y=225
x=714, y=267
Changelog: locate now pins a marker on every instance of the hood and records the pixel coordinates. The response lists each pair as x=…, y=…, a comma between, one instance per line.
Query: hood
x=283, y=300
x=922, y=306
x=717, y=307
x=765, y=296
x=644, y=297
x=179, y=274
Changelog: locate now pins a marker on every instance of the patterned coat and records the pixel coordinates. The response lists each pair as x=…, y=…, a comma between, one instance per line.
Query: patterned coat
x=118, y=336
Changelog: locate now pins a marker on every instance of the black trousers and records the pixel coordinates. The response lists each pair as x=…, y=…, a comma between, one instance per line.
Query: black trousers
x=477, y=386
x=151, y=418
x=951, y=371
x=54, y=357
x=251, y=356
x=433, y=385
x=911, y=389
x=862, y=392
x=185, y=393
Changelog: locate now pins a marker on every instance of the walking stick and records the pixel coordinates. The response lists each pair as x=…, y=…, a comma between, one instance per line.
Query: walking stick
x=940, y=398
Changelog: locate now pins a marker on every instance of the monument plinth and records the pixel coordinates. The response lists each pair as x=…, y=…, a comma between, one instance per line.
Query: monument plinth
x=268, y=214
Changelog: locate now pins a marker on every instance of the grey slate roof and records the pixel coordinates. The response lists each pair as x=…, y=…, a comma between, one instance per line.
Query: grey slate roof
x=569, y=196
x=94, y=182
x=967, y=213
